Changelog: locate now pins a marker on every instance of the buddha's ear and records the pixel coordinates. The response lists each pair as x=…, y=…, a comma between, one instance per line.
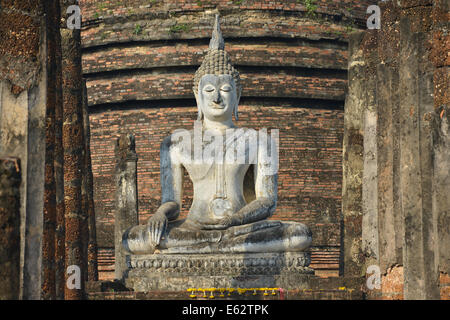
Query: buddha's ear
x=239, y=90
x=195, y=95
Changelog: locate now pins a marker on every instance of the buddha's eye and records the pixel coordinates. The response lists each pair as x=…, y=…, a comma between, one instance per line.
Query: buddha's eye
x=226, y=88
x=209, y=89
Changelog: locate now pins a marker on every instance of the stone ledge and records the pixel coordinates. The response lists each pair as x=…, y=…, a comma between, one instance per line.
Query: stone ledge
x=223, y=264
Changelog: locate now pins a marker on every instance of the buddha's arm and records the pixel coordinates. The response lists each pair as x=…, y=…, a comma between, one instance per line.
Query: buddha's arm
x=171, y=181
x=266, y=199
x=266, y=183
x=171, y=191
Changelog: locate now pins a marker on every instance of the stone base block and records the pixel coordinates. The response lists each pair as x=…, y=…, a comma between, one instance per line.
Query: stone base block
x=182, y=271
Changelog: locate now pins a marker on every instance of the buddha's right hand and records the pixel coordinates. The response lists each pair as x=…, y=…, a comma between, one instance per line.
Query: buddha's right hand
x=156, y=226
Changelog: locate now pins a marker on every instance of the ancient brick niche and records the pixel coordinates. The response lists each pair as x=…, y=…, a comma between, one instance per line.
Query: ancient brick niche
x=139, y=60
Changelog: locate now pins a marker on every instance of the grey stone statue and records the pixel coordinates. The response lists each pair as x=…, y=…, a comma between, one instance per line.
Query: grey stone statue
x=232, y=200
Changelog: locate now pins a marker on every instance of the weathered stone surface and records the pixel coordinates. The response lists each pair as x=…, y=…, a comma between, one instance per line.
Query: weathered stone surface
x=177, y=272
x=27, y=105
x=126, y=214
x=35, y=182
x=351, y=242
x=416, y=102
x=390, y=221
x=390, y=225
x=13, y=138
x=409, y=160
x=441, y=185
x=10, y=177
x=370, y=230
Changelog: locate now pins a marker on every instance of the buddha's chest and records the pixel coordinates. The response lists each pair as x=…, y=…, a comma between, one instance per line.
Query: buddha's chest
x=230, y=173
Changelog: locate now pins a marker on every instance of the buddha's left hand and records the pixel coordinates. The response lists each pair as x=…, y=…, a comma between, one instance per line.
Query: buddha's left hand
x=223, y=223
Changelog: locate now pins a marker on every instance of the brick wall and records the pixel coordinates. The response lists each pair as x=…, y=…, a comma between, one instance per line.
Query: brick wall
x=93, y=9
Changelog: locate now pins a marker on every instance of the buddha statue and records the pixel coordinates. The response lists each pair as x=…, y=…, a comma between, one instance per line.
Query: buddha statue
x=232, y=199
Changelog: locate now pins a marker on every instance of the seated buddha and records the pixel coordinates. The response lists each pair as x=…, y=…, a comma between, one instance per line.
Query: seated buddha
x=232, y=199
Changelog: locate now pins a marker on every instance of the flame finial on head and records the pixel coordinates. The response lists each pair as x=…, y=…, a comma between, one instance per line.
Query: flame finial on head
x=217, y=61
x=217, y=42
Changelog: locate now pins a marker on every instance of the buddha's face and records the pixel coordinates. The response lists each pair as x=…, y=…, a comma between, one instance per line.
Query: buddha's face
x=217, y=97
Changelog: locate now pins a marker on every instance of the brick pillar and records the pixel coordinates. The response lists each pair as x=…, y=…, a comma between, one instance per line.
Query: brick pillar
x=84, y=186
x=126, y=197
x=10, y=225
x=60, y=250
x=49, y=227
x=73, y=144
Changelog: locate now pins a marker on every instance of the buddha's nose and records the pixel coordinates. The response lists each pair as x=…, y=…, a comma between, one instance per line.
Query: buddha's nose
x=216, y=97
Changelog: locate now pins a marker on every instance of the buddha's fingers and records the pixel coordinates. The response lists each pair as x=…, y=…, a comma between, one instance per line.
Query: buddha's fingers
x=152, y=232
x=161, y=227
x=214, y=226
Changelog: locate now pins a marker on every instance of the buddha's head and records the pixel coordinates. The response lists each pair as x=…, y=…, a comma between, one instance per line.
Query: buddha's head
x=217, y=86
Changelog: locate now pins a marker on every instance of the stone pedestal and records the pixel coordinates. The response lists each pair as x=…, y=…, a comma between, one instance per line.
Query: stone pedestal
x=182, y=271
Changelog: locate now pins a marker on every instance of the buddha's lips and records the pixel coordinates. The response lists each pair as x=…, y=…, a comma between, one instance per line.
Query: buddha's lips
x=217, y=106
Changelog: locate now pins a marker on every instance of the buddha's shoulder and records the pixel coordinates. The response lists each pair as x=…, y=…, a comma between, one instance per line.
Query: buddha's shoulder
x=180, y=136
x=177, y=137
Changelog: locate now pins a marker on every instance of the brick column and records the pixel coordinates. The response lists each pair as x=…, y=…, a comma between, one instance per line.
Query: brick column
x=49, y=227
x=73, y=144
x=60, y=255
